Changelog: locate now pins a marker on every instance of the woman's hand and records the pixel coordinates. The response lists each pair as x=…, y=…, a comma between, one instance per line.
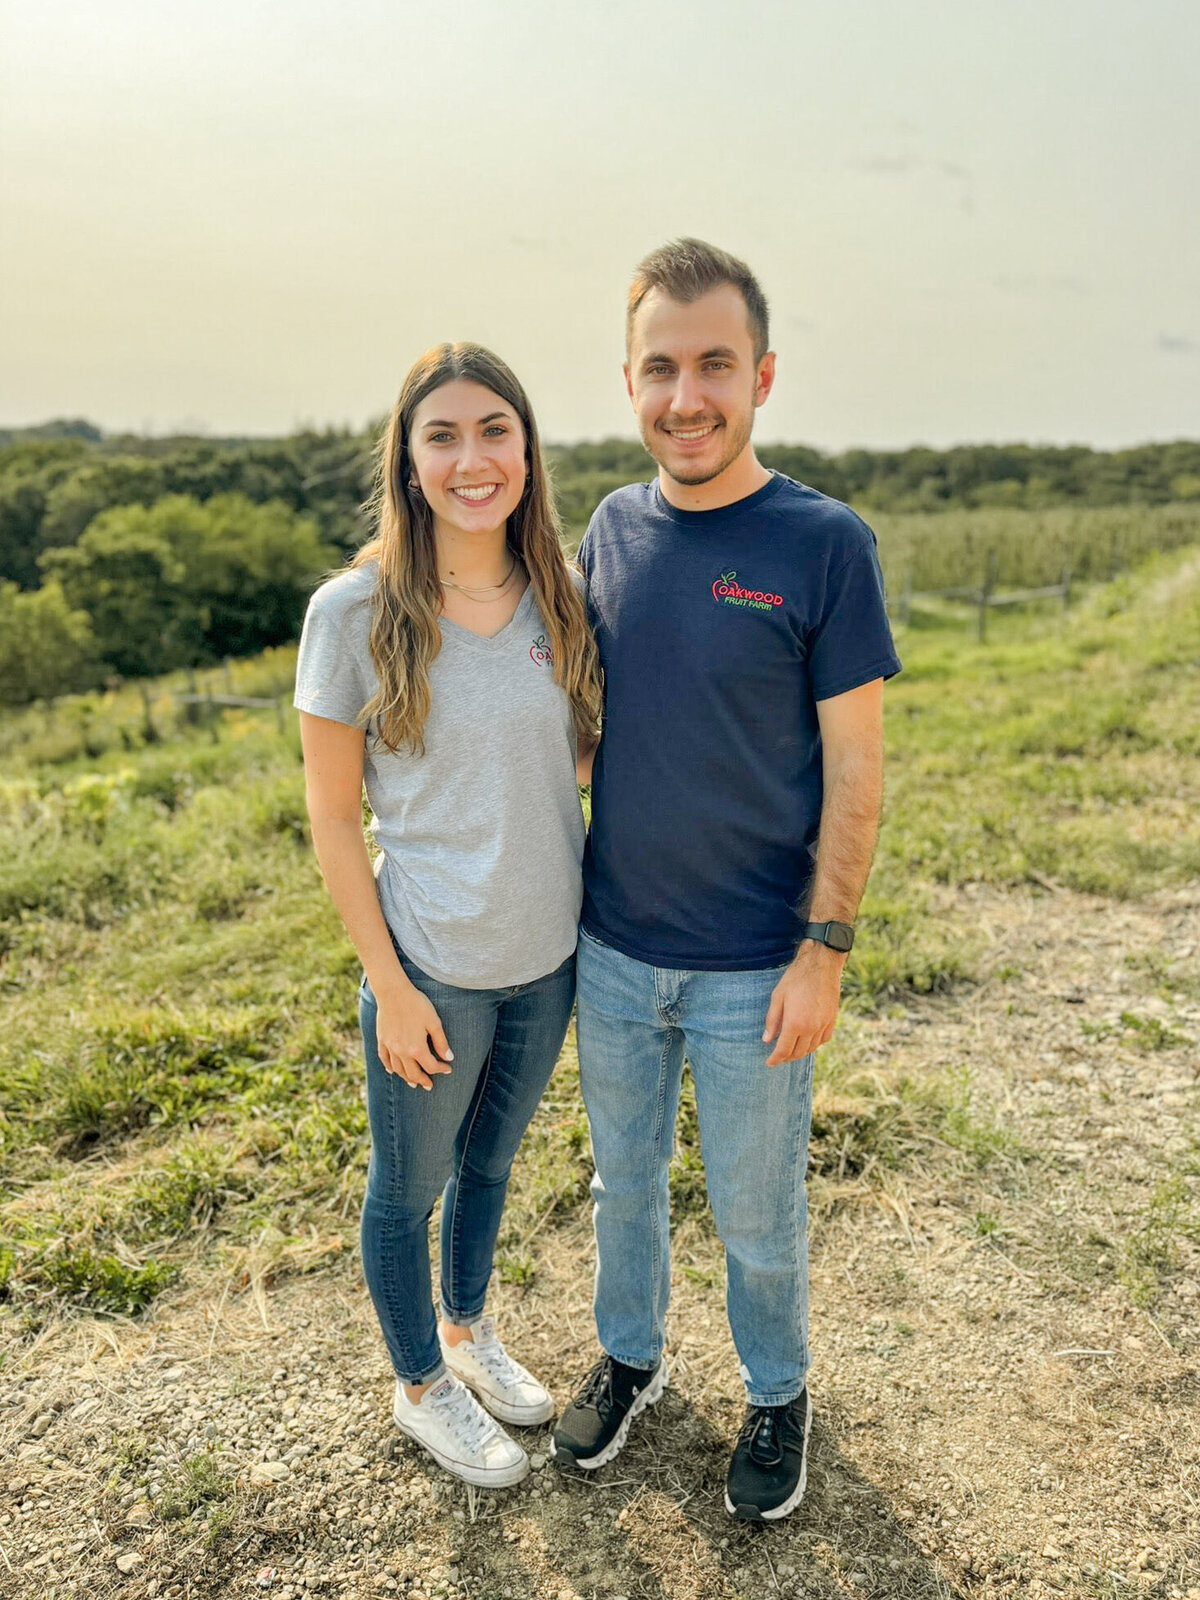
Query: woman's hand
x=410, y=1038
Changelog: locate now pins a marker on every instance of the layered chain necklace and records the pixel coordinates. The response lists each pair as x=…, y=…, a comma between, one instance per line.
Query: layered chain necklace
x=483, y=592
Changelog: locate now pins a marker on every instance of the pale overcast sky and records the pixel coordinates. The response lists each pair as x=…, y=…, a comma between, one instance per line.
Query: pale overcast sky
x=974, y=221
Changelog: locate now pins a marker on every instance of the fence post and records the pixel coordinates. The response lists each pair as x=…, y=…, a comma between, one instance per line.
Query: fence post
x=191, y=710
x=149, y=731
x=906, y=597
x=1066, y=585
x=985, y=594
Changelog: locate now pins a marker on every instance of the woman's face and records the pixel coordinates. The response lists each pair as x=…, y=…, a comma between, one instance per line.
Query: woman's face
x=467, y=454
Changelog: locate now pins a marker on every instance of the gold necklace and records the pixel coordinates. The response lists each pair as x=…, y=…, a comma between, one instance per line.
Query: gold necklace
x=481, y=592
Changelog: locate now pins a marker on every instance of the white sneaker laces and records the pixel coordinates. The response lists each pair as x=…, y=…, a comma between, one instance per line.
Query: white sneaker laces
x=467, y=1420
x=498, y=1362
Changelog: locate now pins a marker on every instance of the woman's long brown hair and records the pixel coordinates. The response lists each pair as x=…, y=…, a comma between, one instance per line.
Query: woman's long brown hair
x=405, y=635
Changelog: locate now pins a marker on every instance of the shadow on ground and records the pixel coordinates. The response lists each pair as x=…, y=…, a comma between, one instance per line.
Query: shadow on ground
x=658, y=1529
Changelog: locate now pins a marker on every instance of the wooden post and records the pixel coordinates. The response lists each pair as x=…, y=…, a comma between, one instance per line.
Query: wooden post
x=149, y=731
x=985, y=594
x=1066, y=585
x=906, y=597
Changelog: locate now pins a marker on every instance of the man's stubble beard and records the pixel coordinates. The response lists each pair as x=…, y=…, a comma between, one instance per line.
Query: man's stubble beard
x=704, y=475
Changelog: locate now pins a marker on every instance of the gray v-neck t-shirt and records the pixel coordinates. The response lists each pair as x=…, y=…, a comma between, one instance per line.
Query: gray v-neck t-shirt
x=481, y=838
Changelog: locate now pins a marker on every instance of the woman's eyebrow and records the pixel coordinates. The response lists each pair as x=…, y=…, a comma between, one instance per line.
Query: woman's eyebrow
x=492, y=416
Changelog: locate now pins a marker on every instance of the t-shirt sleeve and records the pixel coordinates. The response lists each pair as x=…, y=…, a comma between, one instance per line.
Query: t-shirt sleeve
x=331, y=669
x=852, y=641
x=583, y=556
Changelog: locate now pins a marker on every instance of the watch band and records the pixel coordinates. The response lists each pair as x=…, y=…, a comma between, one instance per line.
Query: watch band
x=837, y=935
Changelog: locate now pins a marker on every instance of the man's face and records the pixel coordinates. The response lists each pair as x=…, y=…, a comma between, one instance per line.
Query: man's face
x=694, y=382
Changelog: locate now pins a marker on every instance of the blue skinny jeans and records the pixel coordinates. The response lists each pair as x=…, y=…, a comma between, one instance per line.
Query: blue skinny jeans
x=458, y=1140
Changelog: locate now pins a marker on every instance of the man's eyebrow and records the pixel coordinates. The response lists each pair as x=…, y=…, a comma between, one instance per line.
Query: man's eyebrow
x=723, y=351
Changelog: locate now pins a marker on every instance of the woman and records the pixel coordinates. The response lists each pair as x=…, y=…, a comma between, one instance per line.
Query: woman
x=451, y=666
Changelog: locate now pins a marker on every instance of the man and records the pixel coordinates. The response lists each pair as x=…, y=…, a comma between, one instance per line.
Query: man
x=744, y=640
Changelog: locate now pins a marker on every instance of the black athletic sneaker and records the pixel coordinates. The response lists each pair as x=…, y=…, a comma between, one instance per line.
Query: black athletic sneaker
x=593, y=1427
x=770, y=1461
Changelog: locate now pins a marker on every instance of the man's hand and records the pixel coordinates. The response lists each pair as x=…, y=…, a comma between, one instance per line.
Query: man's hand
x=804, y=1005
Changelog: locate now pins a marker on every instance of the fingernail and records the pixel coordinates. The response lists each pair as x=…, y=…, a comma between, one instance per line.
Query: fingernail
x=449, y=1055
x=766, y=1038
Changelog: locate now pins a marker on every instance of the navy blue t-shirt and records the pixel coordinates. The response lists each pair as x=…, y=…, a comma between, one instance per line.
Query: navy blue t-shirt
x=718, y=632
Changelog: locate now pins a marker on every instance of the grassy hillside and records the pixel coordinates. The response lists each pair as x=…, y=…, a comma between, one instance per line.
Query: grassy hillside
x=179, y=1069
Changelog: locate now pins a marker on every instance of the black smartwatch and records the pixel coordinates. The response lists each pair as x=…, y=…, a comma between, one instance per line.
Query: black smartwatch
x=837, y=935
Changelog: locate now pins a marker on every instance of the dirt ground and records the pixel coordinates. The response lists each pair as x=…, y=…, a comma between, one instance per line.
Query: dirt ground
x=1006, y=1342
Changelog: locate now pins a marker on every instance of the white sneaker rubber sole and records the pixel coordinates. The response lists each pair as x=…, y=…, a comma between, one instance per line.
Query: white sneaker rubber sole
x=753, y=1514
x=481, y=1477
x=519, y=1416
x=648, y=1397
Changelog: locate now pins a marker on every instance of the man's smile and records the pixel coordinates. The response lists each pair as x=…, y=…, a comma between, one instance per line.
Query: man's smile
x=690, y=435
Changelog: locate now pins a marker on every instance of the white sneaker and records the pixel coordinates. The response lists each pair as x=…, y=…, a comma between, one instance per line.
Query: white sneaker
x=459, y=1434
x=504, y=1386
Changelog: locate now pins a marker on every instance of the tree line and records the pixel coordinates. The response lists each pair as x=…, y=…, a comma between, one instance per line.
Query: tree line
x=123, y=555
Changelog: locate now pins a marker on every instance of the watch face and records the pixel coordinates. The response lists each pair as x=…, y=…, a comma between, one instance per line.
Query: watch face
x=839, y=936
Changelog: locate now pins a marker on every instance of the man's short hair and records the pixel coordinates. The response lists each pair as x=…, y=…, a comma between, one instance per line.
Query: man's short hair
x=687, y=268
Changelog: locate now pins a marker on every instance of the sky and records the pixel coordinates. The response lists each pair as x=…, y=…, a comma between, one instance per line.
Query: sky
x=973, y=222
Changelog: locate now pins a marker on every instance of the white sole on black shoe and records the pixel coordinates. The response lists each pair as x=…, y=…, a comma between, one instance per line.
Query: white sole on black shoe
x=648, y=1397
x=746, y=1513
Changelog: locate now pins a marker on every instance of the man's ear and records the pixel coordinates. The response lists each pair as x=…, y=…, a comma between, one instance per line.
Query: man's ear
x=764, y=378
x=628, y=382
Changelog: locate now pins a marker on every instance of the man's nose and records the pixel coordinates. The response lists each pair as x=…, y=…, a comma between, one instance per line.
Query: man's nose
x=687, y=398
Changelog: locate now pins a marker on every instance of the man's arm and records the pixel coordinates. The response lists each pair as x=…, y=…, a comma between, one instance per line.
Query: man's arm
x=804, y=1006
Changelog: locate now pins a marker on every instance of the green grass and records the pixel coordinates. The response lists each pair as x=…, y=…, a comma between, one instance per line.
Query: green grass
x=180, y=1084
x=1151, y=1250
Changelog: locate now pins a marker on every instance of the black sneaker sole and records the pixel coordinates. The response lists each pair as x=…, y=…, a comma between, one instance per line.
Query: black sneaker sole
x=648, y=1397
x=752, y=1513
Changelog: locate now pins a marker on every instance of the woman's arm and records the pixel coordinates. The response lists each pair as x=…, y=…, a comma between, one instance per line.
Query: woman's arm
x=409, y=1031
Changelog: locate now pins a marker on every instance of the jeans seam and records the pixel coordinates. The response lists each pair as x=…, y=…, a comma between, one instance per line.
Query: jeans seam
x=389, y=1220
x=456, y=1218
x=799, y=1205
x=655, y=1240
x=388, y=1225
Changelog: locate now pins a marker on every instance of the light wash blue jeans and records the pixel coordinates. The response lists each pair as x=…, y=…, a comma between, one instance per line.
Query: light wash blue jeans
x=458, y=1140
x=635, y=1024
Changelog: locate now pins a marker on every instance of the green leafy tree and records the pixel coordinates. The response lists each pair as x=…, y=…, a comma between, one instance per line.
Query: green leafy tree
x=252, y=567
x=126, y=574
x=29, y=471
x=181, y=582
x=97, y=484
x=46, y=648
